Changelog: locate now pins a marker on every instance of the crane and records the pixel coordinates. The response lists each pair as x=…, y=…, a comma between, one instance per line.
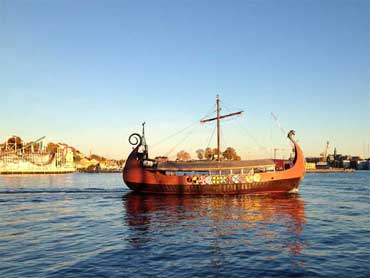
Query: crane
x=325, y=153
x=278, y=149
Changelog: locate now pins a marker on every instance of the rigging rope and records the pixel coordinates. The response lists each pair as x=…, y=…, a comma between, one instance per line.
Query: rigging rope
x=179, y=143
x=254, y=139
x=183, y=139
x=265, y=149
x=281, y=128
x=210, y=138
x=224, y=144
x=230, y=111
x=230, y=106
x=173, y=135
x=209, y=112
x=278, y=123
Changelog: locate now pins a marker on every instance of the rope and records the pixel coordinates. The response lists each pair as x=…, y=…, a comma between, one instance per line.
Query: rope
x=223, y=141
x=178, y=144
x=209, y=112
x=226, y=105
x=278, y=123
x=265, y=149
x=173, y=135
x=254, y=139
x=210, y=138
x=281, y=128
x=230, y=111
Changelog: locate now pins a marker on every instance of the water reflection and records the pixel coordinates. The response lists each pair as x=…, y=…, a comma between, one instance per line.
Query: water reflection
x=230, y=219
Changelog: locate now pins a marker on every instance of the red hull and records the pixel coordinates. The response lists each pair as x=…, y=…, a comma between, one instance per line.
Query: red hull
x=150, y=180
x=241, y=188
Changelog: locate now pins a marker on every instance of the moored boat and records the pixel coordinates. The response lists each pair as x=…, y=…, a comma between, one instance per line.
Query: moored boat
x=146, y=175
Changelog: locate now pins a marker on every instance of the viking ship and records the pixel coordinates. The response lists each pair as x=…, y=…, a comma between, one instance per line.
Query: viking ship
x=146, y=175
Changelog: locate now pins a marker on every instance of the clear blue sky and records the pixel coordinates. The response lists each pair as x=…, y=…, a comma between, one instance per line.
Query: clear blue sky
x=89, y=72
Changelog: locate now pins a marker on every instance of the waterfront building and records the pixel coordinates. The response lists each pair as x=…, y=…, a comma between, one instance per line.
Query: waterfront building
x=310, y=166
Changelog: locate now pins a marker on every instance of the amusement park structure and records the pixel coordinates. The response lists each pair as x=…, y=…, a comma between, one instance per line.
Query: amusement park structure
x=19, y=157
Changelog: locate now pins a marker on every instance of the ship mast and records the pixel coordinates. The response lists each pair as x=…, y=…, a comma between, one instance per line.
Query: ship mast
x=218, y=118
x=218, y=127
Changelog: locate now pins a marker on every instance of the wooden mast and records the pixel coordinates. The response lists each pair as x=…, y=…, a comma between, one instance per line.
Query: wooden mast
x=218, y=118
x=218, y=127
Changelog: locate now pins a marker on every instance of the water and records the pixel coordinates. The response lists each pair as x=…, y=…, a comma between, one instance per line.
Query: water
x=88, y=225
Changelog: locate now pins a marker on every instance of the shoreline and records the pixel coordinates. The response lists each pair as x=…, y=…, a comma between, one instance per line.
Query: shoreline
x=331, y=170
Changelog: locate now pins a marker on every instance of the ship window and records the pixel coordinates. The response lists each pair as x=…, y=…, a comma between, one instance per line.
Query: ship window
x=201, y=173
x=236, y=171
x=214, y=173
x=248, y=171
x=225, y=172
x=260, y=170
x=170, y=173
x=186, y=173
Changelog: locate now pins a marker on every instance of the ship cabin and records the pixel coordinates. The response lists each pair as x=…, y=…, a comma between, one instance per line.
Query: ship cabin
x=211, y=168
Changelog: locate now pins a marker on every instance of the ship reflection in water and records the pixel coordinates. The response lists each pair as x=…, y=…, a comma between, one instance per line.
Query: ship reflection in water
x=240, y=225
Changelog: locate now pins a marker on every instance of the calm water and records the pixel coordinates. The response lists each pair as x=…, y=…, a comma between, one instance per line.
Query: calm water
x=86, y=225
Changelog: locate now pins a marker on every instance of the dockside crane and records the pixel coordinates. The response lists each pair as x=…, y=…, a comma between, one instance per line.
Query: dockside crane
x=325, y=153
x=276, y=150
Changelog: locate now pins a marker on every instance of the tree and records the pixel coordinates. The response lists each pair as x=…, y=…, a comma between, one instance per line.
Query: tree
x=208, y=154
x=97, y=157
x=183, y=155
x=200, y=153
x=230, y=154
x=215, y=153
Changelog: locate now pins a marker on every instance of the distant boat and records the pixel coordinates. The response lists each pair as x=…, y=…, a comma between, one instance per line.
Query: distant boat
x=146, y=175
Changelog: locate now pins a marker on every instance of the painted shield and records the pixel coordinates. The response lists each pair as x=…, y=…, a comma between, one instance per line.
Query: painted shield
x=208, y=180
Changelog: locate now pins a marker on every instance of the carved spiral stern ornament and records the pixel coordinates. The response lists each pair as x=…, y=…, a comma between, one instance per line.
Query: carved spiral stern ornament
x=135, y=139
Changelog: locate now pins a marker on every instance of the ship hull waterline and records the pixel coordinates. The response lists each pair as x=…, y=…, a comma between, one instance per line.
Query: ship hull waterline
x=284, y=186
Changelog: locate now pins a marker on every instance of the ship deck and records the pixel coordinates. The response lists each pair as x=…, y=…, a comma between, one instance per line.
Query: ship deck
x=200, y=165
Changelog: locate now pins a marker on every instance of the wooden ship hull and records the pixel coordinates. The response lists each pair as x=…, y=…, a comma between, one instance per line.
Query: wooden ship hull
x=289, y=185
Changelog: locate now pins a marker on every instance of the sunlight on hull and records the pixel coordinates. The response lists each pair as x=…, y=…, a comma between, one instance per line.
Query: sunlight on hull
x=294, y=190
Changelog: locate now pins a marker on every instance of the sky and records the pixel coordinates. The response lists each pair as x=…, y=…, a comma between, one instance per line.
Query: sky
x=88, y=73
